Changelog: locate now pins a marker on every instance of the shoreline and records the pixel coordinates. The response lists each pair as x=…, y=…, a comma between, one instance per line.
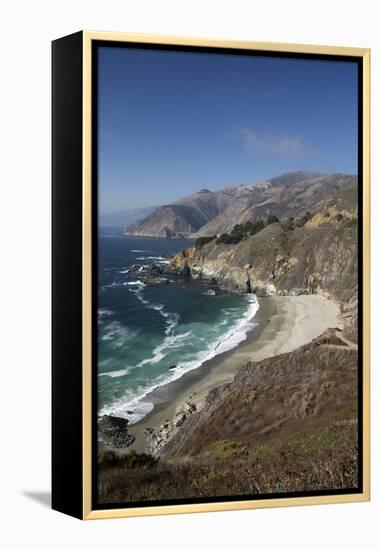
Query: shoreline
x=284, y=323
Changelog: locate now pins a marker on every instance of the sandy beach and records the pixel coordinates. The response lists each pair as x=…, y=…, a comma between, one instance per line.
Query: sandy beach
x=283, y=324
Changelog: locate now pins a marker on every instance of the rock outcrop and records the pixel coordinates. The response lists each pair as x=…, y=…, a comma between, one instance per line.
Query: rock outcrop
x=113, y=432
x=287, y=258
x=157, y=439
x=310, y=388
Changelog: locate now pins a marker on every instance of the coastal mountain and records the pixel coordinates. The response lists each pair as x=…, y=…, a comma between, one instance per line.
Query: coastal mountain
x=284, y=198
x=184, y=217
x=172, y=220
x=210, y=213
x=125, y=217
x=287, y=422
x=314, y=253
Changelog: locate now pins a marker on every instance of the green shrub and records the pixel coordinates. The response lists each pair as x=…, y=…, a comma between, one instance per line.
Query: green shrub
x=237, y=229
x=109, y=459
x=138, y=460
x=225, y=238
x=271, y=218
x=248, y=227
x=302, y=221
x=201, y=241
x=257, y=227
x=241, y=231
x=288, y=224
x=339, y=217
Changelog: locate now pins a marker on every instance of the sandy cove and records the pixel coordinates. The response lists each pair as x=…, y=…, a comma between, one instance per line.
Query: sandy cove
x=284, y=323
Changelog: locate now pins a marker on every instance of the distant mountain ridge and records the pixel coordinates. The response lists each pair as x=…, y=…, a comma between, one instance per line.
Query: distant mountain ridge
x=125, y=217
x=183, y=217
x=311, y=254
x=208, y=213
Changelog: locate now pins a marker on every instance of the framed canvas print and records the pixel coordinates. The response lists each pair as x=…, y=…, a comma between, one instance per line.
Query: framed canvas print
x=210, y=275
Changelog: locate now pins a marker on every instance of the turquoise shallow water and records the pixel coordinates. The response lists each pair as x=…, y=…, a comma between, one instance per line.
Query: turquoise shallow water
x=144, y=330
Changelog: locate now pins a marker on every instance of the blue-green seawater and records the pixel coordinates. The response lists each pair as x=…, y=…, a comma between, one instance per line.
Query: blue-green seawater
x=145, y=330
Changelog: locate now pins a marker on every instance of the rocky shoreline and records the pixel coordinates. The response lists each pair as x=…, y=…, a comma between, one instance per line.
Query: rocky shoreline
x=283, y=324
x=279, y=412
x=285, y=259
x=112, y=432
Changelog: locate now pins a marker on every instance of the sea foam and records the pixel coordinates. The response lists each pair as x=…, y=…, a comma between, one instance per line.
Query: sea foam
x=156, y=259
x=138, y=401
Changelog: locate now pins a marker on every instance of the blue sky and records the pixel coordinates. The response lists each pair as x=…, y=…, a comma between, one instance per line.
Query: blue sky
x=172, y=123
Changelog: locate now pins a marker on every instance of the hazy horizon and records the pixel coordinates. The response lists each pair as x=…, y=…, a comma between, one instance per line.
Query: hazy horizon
x=235, y=184
x=172, y=123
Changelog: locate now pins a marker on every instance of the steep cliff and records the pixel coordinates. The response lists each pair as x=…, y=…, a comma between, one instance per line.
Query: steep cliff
x=287, y=423
x=315, y=254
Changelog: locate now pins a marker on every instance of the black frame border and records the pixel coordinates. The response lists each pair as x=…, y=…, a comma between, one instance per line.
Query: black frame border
x=94, y=250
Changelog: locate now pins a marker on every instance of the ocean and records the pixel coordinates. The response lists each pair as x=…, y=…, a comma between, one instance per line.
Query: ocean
x=151, y=335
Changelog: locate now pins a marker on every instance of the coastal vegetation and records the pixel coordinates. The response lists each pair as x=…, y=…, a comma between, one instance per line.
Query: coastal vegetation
x=315, y=252
x=271, y=469
x=284, y=425
x=201, y=241
x=239, y=232
x=108, y=459
x=287, y=423
x=242, y=231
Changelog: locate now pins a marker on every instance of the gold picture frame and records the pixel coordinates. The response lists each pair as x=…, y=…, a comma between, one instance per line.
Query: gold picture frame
x=85, y=509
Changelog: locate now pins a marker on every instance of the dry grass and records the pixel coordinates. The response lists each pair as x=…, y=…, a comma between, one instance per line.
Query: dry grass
x=312, y=462
x=285, y=425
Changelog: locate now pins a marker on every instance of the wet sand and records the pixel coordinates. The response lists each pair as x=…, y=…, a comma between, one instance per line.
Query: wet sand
x=283, y=324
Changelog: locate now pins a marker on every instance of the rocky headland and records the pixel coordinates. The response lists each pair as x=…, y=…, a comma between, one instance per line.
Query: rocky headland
x=285, y=421
x=315, y=253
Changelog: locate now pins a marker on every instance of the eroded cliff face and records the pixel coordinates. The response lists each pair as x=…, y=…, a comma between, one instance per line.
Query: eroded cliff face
x=285, y=258
x=313, y=259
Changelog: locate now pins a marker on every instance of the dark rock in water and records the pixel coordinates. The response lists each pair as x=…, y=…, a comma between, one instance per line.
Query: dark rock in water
x=154, y=268
x=150, y=269
x=158, y=281
x=136, y=268
x=129, y=412
x=113, y=431
x=107, y=422
x=172, y=367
